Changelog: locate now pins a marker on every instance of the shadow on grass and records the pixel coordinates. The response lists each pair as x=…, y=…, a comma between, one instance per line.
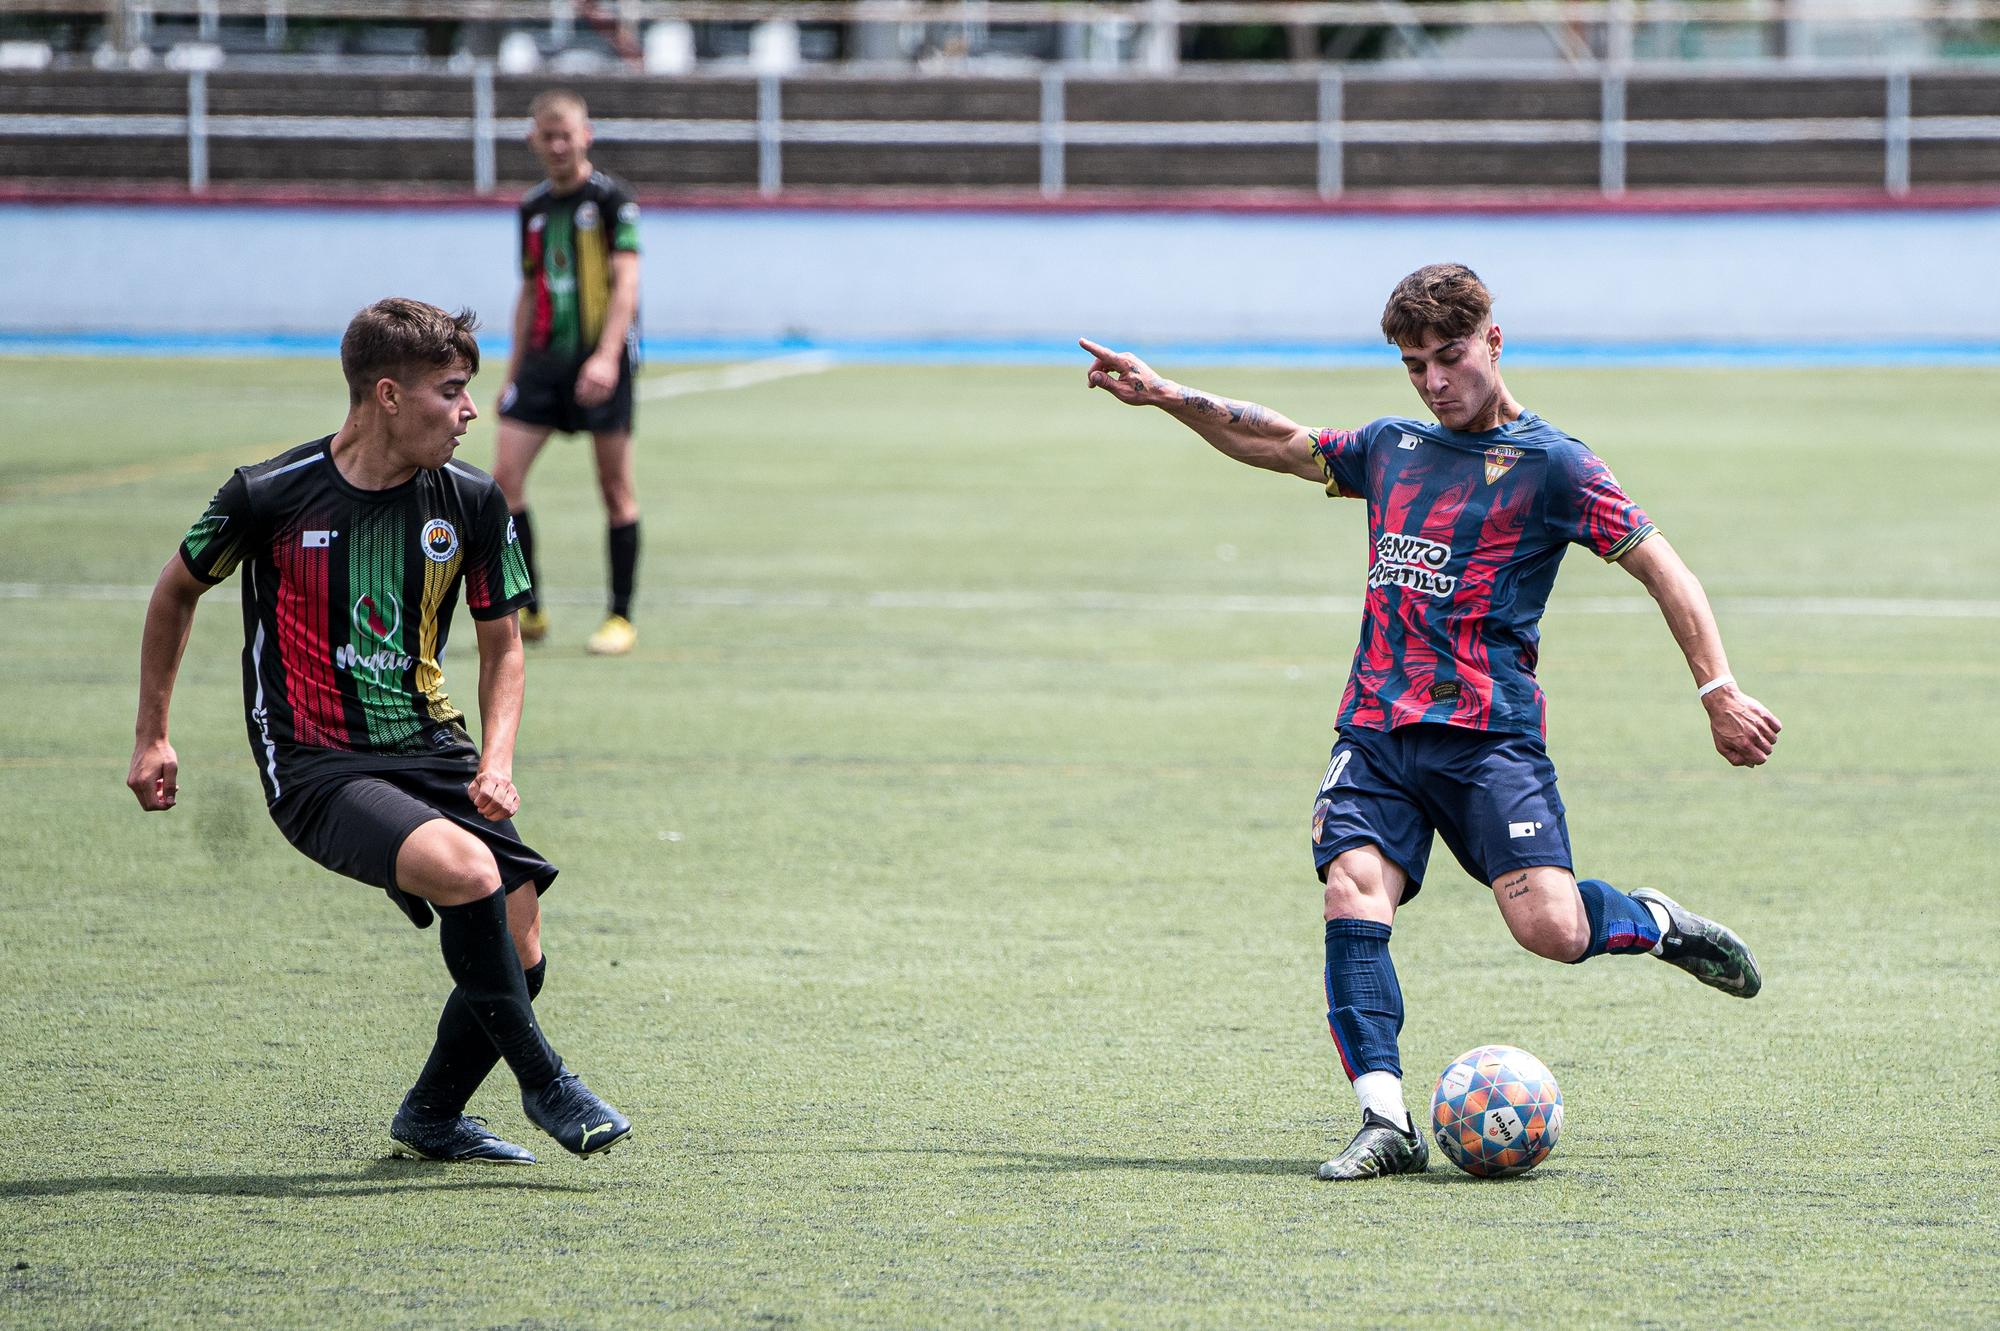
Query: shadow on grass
x=1055, y=1162
x=374, y=1179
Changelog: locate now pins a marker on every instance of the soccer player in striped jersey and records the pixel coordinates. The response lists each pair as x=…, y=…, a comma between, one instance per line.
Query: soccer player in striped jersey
x=355, y=549
x=576, y=348
x=1441, y=726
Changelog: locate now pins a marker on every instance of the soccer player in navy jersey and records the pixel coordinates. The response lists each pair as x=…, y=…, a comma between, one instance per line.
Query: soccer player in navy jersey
x=354, y=550
x=1441, y=725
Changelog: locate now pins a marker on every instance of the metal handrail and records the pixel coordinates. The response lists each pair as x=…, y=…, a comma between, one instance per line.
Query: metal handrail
x=1052, y=132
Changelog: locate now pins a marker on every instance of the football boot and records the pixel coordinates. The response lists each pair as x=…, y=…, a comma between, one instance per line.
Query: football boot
x=534, y=624
x=1379, y=1148
x=614, y=637
x=576, y=1116
x=459, y=1139
x=1710, y=952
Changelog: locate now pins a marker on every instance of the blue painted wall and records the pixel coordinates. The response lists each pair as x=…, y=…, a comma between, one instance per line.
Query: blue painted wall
x=1836, y=279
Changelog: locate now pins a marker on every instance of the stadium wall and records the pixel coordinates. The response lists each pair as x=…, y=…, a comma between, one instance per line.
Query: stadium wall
x=722, y=280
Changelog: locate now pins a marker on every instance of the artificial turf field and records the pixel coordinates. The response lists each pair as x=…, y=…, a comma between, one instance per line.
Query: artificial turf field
x=936, y=894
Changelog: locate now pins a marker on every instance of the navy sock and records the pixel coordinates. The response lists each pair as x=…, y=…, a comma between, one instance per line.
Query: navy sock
x=524, y=534
x=1618, y=924
x=463, y=1056
x=624, y=542
x=479, y=953
x=1364, y=1004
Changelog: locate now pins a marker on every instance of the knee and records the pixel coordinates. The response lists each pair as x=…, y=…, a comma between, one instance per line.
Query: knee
x=1349, y=896
x=1556, y=939
x=464, y=874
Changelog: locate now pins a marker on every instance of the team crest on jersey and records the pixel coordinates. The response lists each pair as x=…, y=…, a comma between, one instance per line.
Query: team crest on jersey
x=586, y=216
x=440, y=540
x=1500, y=460
x=537, y=222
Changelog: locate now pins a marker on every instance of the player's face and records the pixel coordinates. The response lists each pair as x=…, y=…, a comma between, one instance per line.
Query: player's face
x=560, y=139
x=433, y=410
x=1458, y=378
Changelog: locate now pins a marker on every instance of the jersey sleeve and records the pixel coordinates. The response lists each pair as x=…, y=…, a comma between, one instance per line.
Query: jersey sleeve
x=496, y=572
x=624, y=212
x=529, y=259
x=1587, y=505
x=222, y=535
x=1343, y=460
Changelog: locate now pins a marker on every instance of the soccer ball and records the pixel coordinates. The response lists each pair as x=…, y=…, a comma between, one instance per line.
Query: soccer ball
x=1496, y=1111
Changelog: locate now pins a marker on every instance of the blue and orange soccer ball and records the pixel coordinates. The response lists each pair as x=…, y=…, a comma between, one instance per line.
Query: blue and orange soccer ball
x=1497, y=1111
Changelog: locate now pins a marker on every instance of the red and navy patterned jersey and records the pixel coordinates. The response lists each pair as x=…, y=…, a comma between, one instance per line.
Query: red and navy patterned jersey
x=348, y=596
x=1465, y=533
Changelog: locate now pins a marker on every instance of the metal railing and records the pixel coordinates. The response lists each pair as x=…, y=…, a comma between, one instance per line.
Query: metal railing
x=1144, y=33
x=1329, y=134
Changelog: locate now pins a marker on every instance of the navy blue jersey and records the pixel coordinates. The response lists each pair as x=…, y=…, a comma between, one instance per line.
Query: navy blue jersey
x=1465, y=534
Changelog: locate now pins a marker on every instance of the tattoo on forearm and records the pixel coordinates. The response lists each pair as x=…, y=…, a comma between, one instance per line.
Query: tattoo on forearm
x=1246, y=414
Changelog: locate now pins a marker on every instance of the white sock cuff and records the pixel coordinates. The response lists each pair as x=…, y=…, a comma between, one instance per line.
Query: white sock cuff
x=1383, y=1093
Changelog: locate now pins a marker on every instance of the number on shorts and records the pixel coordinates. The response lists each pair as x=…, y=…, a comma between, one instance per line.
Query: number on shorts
x=1335, y=768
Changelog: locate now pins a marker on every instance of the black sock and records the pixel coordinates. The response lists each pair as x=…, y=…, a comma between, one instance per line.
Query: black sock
x=524, y=532
x=479, y=953
x=624, y=567
x=462, y=1056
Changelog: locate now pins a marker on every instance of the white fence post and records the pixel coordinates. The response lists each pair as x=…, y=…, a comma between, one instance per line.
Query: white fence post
x=1332, y=163
x=770, y=137
x=197, y=131
x=1896, y=133
x=1053, y=166
x=485, y=166
x=1611, y=132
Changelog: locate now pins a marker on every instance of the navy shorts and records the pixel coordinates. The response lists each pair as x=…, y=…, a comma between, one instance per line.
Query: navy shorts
x=544, y=393
x=356, y=824
x=1491, y=797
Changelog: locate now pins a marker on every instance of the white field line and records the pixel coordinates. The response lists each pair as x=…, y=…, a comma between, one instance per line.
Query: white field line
x=1162, y=603
x=726, y=377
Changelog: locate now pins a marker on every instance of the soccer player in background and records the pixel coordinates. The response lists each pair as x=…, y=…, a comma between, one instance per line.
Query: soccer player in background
x=1441, y=725
x=576, y=349
x=354, y=549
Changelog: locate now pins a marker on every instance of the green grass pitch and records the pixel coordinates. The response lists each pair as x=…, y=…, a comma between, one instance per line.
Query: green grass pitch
x=936, y=894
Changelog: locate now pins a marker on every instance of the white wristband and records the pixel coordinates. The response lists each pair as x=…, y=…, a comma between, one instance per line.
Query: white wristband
x=1713, y=685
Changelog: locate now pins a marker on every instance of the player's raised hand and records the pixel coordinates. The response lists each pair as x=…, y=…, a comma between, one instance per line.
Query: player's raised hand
x=1745, y=731
x=493, y=794
x=1122, y=375
x=154, y=775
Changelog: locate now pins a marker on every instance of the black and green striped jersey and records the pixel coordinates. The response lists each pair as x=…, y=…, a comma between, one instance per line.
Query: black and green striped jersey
x=348, y=597
x=566, y=245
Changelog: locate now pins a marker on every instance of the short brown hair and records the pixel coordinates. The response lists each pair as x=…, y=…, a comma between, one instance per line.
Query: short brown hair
x=557, y=99
x=1447, y=299
x=396, y=337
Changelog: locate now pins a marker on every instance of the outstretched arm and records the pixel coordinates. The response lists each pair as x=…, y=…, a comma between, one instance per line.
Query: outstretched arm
x=1245, y=431
x=1745, y=732
x=155, y=772
x=501, y=680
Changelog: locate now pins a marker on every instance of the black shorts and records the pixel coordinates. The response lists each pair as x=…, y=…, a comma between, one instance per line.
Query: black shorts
x=544, y=393
x=355, y=825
